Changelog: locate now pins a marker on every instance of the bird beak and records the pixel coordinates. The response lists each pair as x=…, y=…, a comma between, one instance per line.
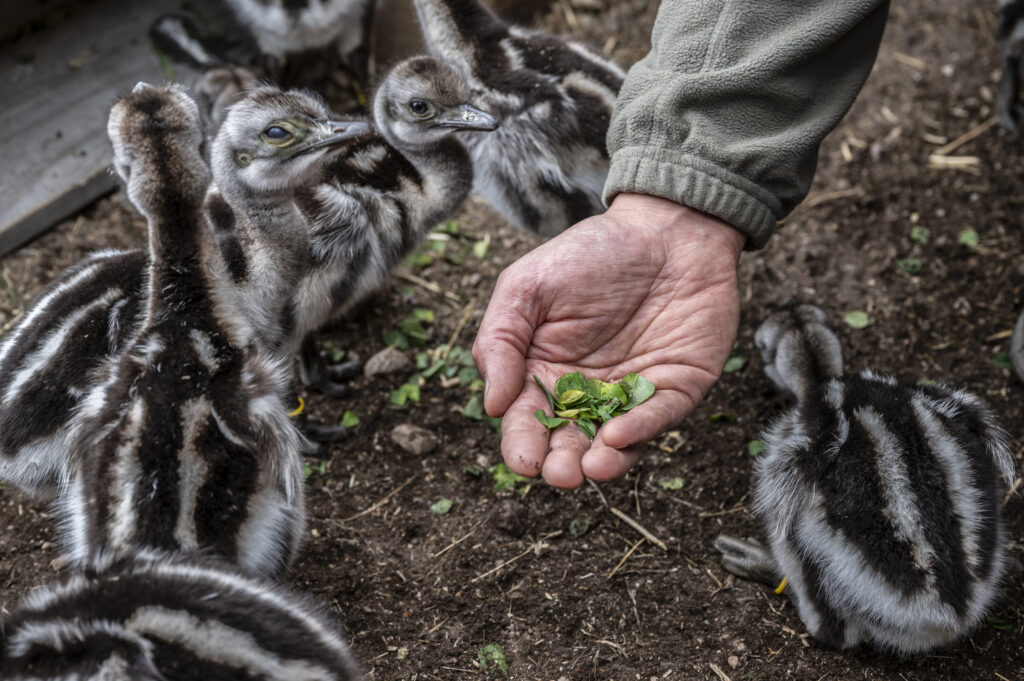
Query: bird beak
x=469, y=118
x=341, y=132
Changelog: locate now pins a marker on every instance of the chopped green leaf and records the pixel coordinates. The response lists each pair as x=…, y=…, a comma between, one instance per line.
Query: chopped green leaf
x=1003, y=361
x=423, y=314
x=472, y=470
x=927, y=381
x=481, y=247
x=857, y=319
x=468, y=374
x=349, y=419
x=969, y=237
x=407, y=392
x=571, y=397
x=572, y=381
x=550, y=422
x=334, y=353
x=396, y=338
x=492, y=659
x=755, y=447
x=551, y=398
x=504, y=479
x=441, y=506
x=450, y=227
x=734, y=363
x=474, y=409
x=414, y=331
x=910, y=265
x=640, y=390
x=672, y=483
x=579, y=526
x=722, y=417
x=587, y=427
x=999, y=623
x=920, y=234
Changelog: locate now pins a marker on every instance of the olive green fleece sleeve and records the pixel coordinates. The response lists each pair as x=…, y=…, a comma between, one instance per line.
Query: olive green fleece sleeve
x=726, y=112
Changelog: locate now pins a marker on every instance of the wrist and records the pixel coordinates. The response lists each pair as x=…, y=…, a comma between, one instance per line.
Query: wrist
x=676, y=223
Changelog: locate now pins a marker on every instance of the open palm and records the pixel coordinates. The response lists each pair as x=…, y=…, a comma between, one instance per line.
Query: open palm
x=649, y=286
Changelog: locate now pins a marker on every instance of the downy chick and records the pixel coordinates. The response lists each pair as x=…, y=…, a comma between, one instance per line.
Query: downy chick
x=293, y=35
x=879, y=499
x=544, y=170
x=376, y=201
x=186, y=441
x=153, y=616
x=52, y=357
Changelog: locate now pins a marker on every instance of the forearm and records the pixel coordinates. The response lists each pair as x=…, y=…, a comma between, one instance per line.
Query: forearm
x=727, y=111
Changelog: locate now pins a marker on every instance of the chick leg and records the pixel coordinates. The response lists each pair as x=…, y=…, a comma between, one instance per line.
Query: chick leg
x=748, y=559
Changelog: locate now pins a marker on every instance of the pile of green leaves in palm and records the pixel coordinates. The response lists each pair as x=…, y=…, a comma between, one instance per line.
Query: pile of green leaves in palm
x=586, y=401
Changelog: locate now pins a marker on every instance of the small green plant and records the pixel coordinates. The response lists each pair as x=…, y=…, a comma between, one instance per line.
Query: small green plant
x=449, y=243
x=910, y=265
x=755, y=448
x=584, y=401
x=969, y=237
x=920, y=234
x=492, y=659
x=410, y=330
x=1002, y=360
x=349, y=419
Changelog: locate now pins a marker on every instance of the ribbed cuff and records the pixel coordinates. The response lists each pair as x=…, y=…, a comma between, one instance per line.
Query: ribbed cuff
x=694, y=182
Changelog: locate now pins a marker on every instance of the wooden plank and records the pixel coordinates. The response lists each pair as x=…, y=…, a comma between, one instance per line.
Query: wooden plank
x=57, y=88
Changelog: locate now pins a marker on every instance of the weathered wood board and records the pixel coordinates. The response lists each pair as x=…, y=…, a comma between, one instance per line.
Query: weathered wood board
x=56, y=88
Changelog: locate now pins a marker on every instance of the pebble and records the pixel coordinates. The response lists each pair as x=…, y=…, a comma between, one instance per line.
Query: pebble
x=387, y=361
x=413, y=439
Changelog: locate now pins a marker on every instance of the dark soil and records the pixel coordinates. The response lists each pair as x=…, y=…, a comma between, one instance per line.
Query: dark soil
x=553, y=577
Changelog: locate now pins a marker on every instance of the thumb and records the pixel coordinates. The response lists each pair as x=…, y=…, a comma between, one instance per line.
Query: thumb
x=506, y=332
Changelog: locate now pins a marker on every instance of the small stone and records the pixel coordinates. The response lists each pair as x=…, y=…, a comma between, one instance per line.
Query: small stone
x=413, y=439
x=387, y=361
x=734, y=661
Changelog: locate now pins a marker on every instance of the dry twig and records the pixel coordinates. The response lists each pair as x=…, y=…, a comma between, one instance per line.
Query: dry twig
x=639, y=528
x=626, y=557
x=377, y=505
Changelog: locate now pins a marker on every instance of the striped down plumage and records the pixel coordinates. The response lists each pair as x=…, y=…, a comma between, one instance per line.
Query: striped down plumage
x=880, y=499
x=185, y=442
x=53, y=355
x=544, y=169
x=154, y=616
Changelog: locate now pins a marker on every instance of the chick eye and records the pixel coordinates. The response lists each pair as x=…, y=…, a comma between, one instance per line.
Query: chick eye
x=279, y=134
x=419, y=108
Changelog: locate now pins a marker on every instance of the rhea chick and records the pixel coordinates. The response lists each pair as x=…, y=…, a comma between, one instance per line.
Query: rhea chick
x=295, y=34
x=186, y=442
x=1011, y=46
x=544, y=170
x=377, y=199
x=880, y=500
x=154, y=616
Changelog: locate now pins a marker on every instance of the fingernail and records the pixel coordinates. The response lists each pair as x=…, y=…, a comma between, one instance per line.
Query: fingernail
x=487, y=387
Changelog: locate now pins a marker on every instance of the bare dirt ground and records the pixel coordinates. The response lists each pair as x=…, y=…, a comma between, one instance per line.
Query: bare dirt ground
x=553, y=578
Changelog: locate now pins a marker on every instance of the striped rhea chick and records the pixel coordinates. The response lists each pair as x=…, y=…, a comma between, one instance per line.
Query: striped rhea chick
x=544, y=170
x=153, y=616
x=880, y=500
x=54, y=354
x=376, y=200
x=294, y=35
x=186, y=441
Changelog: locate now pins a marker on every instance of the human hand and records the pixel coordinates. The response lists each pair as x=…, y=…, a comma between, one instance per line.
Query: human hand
x=648, y=286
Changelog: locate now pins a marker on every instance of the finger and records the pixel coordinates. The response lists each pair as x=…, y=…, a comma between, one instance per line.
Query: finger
x=663, y=411
x=562, y=467
x=500, y=346
x=604, y=464
x=524, y=439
